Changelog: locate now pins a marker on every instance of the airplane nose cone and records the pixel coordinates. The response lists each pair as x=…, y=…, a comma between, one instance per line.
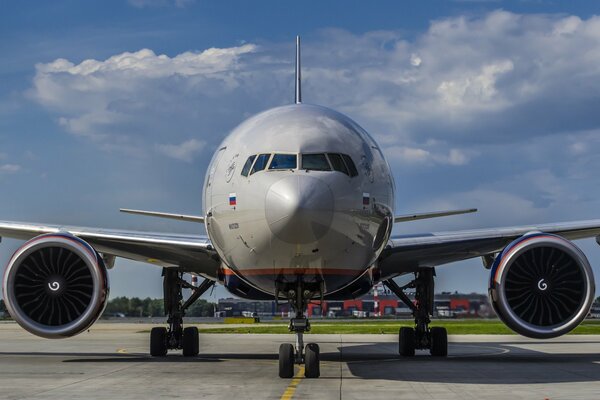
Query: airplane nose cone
x=299, y=209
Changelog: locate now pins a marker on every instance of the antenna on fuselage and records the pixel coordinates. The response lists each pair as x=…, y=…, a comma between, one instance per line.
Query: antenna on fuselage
x=298, y=74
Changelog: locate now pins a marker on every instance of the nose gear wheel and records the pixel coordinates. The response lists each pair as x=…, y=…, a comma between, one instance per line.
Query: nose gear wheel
x=299, y=294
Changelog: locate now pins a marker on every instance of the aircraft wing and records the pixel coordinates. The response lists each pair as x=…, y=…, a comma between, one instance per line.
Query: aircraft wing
x=192, y=253
x=408, y=252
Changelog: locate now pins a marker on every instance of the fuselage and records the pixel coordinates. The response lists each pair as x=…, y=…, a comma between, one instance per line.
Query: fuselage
x=298, y=192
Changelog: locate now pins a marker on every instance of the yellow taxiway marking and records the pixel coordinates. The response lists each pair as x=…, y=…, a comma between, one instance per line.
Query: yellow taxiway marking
x=291, y=389
x=122, y=351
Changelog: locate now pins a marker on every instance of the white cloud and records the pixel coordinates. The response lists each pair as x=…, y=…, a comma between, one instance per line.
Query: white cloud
x=146, y=64
x=465, y=82
x=184, y=151
x=475, y=90
x=415, y=60
x=416, y=156
x=457, y=157
x=9, y=168
x=160, y=3
x=135, y=99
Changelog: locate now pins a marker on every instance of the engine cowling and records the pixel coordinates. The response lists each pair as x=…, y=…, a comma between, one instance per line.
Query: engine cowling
x=542, y=285
x=55, y=286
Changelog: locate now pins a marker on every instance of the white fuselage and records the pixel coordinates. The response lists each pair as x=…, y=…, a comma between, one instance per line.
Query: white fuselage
x=293, y=221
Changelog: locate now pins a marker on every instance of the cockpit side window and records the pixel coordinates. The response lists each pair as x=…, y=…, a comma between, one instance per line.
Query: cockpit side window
x=350, y=164
x=248, y=164
x=338, y=163
x=283, y=161
x=260, y=163
x=315, y=162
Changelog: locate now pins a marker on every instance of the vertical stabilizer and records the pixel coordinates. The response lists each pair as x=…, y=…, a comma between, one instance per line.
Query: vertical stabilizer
x=298, y=74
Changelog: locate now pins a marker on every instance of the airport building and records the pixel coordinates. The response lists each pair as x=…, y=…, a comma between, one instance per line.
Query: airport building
x=380, y=304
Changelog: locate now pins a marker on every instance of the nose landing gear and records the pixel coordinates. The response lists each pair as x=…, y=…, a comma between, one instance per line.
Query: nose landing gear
x=421, y=337
x=308, y=354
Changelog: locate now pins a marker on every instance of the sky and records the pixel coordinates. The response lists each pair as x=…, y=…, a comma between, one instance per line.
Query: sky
x=121, y=103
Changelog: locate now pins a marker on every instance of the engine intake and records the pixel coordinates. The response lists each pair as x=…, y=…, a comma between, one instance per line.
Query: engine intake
x=542, y=286
x=55, y=286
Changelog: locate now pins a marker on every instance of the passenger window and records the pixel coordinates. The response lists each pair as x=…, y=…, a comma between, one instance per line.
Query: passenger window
x=261, y=163
x=248, y=164
x=283, y=161
x=350, y=165
x=315, y=162
x=337, y=163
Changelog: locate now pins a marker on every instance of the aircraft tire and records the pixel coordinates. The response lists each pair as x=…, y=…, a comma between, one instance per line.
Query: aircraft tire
x=311, y=361
x=406, y=342
x=190, y=341
x=158, y=342
x=439, y=342
x=286, y=360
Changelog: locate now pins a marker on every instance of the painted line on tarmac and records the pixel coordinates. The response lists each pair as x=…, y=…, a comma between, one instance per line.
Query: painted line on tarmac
x=499, y=351
x=122, y=351
x=291, y=389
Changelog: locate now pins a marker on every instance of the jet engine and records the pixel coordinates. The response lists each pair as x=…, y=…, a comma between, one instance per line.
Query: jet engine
x=541, y=286
x=55, y=286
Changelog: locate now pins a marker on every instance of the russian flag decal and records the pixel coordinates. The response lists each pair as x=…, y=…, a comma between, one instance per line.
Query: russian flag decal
x=366, y=199
x=232, y=199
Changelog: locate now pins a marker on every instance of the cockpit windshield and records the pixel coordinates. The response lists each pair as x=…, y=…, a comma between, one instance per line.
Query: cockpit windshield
x=315, y=162
x=338, y=163
x=283, y=161
x=260, y=163
x=310, y=162
x=248, y=164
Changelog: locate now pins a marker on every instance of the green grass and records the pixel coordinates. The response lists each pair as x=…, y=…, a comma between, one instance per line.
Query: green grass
x=461, y=327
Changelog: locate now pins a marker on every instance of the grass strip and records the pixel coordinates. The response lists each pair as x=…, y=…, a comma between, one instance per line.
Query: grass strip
x=387, y=327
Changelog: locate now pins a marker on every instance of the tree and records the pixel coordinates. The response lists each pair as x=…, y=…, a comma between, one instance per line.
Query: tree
x=136, y=307
x=201, y=308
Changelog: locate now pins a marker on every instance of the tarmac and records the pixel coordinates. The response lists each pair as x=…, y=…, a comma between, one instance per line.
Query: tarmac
x=112, y=361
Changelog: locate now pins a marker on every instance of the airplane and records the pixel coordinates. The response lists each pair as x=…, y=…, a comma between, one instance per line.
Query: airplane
x=298, y=206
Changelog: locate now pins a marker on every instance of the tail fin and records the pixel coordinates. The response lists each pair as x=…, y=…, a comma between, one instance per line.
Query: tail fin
x=298, y=74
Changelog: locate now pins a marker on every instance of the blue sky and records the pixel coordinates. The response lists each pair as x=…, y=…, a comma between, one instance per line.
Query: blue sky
x=488, y=104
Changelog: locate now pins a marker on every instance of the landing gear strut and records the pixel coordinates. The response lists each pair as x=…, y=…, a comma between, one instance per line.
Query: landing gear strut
x=421, y=337
x=299, y=295
x=176, y=336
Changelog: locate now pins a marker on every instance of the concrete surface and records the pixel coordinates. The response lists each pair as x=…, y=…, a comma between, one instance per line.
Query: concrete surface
x=111, y=361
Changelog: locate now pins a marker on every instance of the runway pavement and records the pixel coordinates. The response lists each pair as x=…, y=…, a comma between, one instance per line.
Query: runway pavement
x=111, y=361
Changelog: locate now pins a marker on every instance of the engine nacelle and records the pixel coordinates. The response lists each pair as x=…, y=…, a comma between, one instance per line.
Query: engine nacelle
x=542, y=286
x=55, y=286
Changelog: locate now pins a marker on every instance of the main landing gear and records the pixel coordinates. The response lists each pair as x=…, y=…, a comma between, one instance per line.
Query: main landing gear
x=299, y=296
x=421, y=337
x=176, y=336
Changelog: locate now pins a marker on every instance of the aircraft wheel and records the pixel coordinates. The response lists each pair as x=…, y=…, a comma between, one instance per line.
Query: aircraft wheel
x=311, y=361
x=190, y=341
x=439, y=342
x=158, y=342
x=406, y=342
x=286, y=360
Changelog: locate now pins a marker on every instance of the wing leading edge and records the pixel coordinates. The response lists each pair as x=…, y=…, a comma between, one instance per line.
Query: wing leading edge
x=191, y=253
x=407, y=253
